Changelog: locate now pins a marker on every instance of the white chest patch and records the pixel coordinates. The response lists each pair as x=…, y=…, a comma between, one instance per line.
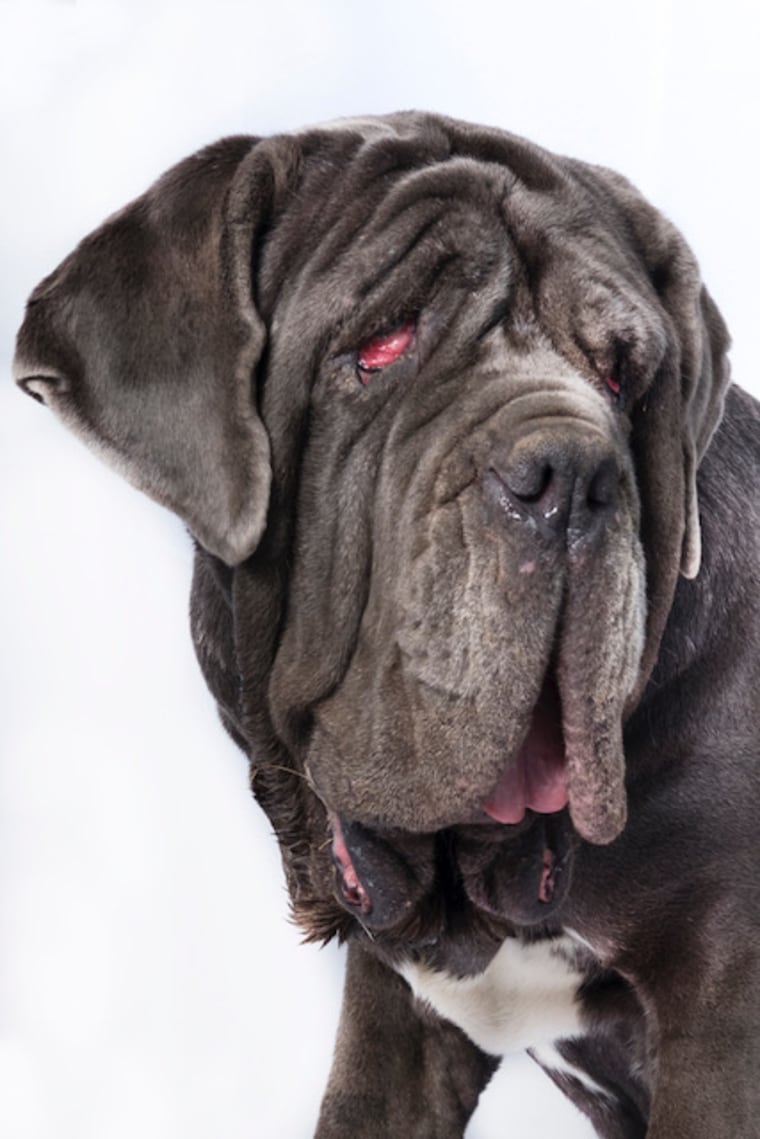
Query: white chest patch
x=527, y=997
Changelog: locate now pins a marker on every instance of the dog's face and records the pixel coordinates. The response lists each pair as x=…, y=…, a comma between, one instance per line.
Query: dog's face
x=440, y=397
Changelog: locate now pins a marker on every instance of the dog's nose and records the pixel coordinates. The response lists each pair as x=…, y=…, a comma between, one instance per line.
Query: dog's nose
x=564, y=484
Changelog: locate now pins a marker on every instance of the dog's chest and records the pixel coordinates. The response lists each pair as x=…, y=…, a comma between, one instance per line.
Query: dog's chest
x=528, y=996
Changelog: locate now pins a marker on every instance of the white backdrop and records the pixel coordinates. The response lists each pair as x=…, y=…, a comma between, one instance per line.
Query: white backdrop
x=150, y=984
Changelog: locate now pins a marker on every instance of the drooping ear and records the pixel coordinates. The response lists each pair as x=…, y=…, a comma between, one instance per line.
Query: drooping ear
x=673, y=423
x=704, y=379
x=643, y=282
x=695, y=370
x=145, y=341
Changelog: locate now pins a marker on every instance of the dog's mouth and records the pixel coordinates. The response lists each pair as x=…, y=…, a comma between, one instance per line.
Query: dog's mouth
x=511, y=863
x=537, y=779
x=509, y=856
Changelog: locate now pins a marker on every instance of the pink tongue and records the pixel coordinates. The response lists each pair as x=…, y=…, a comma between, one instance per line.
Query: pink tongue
x=537, y=778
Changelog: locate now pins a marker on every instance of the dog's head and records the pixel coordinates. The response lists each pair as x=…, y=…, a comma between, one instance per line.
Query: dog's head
x=440, y=397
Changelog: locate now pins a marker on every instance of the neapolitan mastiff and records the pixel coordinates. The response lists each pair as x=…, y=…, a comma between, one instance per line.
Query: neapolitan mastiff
x=476, y=589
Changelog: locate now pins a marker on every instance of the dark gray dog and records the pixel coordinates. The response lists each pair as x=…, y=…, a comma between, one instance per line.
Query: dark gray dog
x=476, y=588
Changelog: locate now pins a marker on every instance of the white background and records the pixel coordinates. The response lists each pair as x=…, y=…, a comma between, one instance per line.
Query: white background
x=150, y=984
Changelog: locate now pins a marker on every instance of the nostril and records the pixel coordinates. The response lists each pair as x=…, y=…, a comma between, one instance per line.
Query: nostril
x=564, y=489
x=530, y=492
x=528, y=482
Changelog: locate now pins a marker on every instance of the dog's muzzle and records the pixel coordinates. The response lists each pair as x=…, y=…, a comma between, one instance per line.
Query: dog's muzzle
x=561, y=485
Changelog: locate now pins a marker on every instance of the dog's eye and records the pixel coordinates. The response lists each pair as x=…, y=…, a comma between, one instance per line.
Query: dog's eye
x=383, y=350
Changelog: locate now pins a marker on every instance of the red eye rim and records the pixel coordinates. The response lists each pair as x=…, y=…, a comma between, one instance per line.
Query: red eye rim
x=613, y=385
x=383, y=350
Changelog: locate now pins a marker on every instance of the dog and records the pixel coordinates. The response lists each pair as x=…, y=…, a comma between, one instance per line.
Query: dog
x=476, y=588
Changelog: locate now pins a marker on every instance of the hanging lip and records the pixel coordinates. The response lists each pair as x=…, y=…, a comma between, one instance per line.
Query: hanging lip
x=593, y=734
x=571, y=756
x=518, y=874
x=352, y=889
x=526, y=876
x=381, y=877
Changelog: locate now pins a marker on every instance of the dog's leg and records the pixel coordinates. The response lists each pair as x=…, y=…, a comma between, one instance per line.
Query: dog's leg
x=397, y=1071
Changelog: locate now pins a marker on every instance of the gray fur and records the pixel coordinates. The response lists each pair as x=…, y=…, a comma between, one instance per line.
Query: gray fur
x=536, y=524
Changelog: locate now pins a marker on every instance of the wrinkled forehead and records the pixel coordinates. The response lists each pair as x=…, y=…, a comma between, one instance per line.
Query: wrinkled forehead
x=383, y=241
x=364, y=206
x=382, y=216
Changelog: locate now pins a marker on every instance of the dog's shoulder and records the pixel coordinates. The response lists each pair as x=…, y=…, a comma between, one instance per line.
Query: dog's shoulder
x=734, y=453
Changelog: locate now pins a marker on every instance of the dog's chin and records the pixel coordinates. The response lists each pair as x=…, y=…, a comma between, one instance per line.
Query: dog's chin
x=419, y=887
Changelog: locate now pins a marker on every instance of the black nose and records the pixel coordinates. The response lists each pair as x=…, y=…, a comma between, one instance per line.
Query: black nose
x=564, y=484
